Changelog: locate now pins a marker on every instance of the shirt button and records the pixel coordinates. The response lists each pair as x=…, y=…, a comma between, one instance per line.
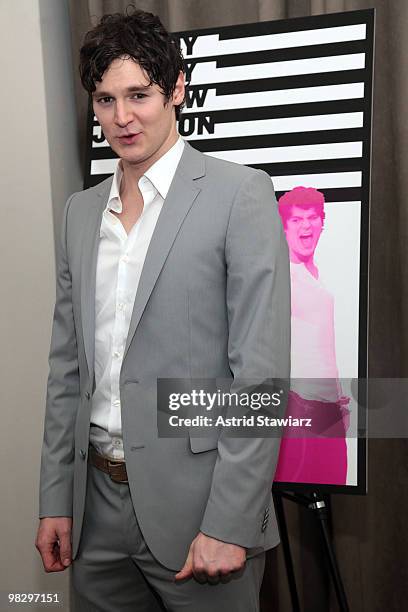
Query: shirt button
x=121, y=306
x=116, y=403
x=116, y=354
x=125, y=258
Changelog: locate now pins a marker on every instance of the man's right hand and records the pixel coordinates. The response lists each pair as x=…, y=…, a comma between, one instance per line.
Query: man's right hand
x=54, y=542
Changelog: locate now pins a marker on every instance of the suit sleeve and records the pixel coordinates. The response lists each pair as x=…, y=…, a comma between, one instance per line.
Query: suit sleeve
x=258, y=302
x=57, y=458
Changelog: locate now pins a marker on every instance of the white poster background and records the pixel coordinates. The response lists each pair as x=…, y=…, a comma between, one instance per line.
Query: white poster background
x=337, y=257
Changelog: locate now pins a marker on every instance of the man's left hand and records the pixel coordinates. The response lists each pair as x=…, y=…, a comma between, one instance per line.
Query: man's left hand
x=212, y=560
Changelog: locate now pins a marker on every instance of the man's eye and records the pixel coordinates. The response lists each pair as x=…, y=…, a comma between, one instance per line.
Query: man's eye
x=105, y=100
x=139, y=96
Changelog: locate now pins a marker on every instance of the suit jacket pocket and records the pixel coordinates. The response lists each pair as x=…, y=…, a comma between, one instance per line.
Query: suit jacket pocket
x=199, y=445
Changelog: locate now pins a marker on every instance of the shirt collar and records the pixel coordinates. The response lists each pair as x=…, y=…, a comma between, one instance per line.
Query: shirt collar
x=160, y=175
x=162, y=172
x=114, y=202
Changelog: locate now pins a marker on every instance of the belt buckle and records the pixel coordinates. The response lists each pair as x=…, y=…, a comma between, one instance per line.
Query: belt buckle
x=112, y=476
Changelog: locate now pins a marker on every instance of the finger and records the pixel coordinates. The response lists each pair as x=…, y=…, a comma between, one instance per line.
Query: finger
x=65, y=547
x=187, y=570
x=200, y=573
x=237, y=571
x=51, y=559
x=201, y=577
x=45, y=544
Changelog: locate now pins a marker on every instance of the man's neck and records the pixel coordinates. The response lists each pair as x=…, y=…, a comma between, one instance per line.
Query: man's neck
x=132, y=172
x=308, y=262
x=312, y=268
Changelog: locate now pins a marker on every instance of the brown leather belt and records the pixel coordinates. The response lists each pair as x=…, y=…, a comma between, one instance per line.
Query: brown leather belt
x=115, y=469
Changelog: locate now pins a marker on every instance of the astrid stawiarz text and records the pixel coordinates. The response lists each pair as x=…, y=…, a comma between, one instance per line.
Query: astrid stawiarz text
x=233, y=421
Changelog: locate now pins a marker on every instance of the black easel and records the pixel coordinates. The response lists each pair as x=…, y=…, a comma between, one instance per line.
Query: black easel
x=314, y=502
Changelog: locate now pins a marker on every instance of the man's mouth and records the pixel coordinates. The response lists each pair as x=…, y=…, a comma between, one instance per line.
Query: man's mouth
x=129, y=138
x=306, y=240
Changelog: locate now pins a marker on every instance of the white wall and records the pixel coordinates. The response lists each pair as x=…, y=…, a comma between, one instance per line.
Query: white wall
x=39, y=169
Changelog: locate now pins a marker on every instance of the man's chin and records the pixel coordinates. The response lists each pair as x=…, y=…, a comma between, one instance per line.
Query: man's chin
x=303, y=256
x=130, y=153
x=132, y=158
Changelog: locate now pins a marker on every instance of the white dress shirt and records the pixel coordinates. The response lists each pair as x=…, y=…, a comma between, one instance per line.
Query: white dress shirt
x=314, y=373
x=119, y=266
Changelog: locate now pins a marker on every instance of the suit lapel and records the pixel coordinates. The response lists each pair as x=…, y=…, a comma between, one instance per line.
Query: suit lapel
x=178, y=202
x=88, y=273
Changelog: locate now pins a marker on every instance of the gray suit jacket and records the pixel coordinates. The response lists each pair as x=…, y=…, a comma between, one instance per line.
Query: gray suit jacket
x=213, y=299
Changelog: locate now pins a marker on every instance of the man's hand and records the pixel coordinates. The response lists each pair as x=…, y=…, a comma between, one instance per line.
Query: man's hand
x=54, y=542
x=212, y=560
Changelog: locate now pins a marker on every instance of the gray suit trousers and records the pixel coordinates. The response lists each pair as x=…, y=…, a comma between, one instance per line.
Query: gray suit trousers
x=116, y=572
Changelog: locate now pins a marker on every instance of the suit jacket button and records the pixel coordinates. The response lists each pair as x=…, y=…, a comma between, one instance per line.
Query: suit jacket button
x=88, y=395
x=83, y=454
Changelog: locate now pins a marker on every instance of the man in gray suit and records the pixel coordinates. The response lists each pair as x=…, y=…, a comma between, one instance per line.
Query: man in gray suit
x=175, y=268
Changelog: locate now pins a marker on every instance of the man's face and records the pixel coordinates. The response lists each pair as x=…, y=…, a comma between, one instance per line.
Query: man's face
x=136, y=119
x=303, y=229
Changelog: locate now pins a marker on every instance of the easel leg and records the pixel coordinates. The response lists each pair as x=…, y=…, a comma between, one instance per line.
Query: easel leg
x=283, y=532
x=319, y=507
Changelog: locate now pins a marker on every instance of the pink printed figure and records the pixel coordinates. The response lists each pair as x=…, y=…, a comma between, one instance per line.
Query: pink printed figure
x=315, y=388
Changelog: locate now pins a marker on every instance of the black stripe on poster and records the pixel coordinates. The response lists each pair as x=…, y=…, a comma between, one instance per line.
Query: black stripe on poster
x=341, y=77
x=282, y=26
x=288, y=54
x=95, y=179
x=279, y=55
x=352, y=164
x=284, y=111
x=278, y=140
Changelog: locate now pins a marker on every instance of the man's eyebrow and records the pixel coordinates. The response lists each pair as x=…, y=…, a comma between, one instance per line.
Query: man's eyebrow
x=131, y=89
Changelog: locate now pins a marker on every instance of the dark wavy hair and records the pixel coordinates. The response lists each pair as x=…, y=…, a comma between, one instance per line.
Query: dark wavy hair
x=140, y=36
x=302, y=197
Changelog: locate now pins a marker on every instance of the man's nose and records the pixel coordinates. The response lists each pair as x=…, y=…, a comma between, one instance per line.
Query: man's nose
x=123, y=115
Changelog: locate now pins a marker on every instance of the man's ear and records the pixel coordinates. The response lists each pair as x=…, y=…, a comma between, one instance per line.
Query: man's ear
x=179, y=90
